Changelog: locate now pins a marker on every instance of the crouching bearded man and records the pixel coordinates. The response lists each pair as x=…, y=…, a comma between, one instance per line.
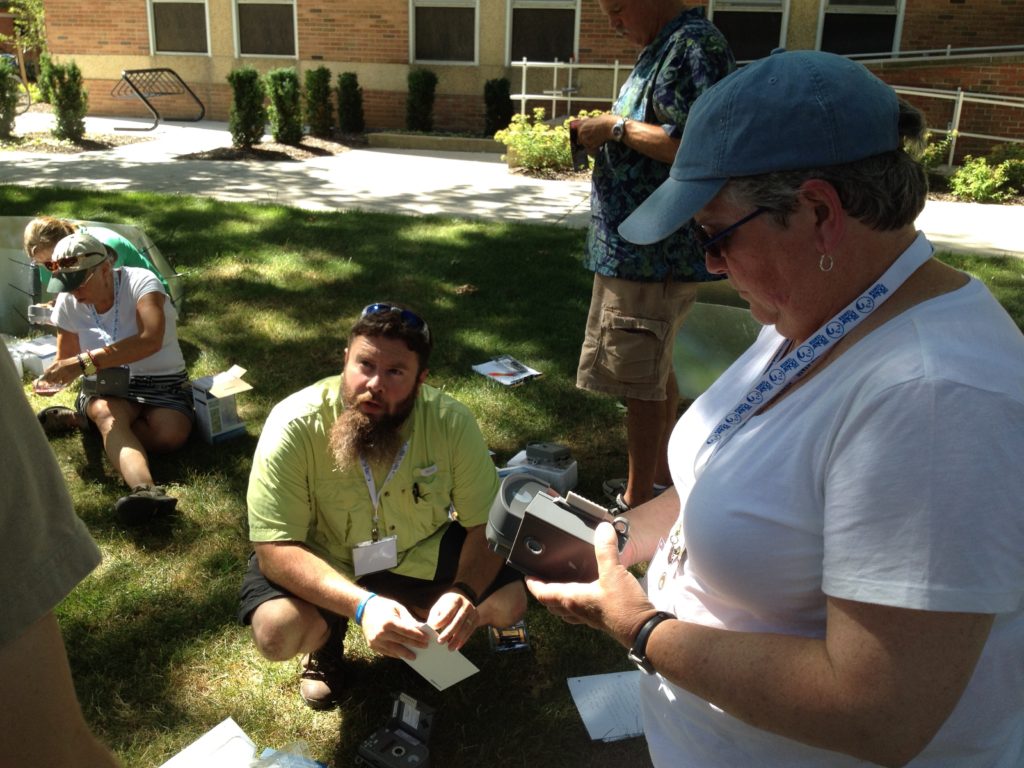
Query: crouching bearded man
x=368, y=500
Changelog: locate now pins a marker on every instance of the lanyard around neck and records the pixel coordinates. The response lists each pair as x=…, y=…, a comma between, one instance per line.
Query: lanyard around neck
x=110, y=338
x=371, y=486
x=780, y=373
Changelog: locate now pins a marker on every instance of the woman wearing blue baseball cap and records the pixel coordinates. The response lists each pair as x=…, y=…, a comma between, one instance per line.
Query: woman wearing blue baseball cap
x=118, y=330
x=837, y=576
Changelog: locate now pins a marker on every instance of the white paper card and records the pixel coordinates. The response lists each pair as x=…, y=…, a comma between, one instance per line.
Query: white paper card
x=223, y=746
x=441, y=667
x=609, y=704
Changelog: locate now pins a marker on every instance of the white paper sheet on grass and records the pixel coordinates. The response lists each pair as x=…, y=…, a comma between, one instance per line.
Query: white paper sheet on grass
x=223, y=746
x=609, y=704
x=438, y=665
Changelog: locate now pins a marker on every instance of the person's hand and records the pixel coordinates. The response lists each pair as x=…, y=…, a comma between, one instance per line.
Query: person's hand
x=454, y=618
x=615, y=603
x=58, y=375
x=595, y=131
x=391, y=630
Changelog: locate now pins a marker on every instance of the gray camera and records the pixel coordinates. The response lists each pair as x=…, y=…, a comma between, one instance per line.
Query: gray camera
x=402, y=742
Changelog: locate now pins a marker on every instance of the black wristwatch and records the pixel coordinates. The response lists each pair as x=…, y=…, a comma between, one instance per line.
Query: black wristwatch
x=638, y=653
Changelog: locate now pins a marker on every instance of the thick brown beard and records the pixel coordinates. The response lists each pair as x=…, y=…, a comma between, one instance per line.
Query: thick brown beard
x=377, y=439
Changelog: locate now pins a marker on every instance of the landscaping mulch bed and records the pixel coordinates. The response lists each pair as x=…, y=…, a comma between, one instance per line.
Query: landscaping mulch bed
x=308, y=148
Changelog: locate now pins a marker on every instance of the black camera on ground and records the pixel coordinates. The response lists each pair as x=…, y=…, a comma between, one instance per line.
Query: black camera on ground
x=402, y=742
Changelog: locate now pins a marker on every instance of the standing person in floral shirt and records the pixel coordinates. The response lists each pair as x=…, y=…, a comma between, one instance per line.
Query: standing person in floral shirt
x=642, y=292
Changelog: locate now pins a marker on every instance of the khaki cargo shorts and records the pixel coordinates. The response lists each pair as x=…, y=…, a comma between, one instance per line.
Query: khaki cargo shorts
x=631, y=331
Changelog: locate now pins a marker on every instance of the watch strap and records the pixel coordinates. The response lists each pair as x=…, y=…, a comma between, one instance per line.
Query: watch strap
x=638, y=653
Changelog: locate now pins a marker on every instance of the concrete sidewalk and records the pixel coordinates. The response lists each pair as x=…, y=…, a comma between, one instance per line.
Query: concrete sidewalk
x=457, y=184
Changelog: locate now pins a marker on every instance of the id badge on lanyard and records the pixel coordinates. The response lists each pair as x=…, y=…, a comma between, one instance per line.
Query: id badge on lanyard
x=377, y=554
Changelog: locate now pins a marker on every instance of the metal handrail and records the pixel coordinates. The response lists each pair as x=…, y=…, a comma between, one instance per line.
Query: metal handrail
x=570, y=92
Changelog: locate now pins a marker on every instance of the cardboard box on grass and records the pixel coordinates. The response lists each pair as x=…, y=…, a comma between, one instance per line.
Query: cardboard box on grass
x=216, y=410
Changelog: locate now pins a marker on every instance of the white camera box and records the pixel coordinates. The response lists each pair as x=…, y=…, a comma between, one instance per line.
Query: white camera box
x=216, y=409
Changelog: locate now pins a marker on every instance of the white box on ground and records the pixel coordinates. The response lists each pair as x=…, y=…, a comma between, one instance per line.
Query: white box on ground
x=216, y=409
x=38, y=354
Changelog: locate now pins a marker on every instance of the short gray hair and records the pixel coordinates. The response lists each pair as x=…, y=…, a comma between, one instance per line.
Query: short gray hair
x=886, y=192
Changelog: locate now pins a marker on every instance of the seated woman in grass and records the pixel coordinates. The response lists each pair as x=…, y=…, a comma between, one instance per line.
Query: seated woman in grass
x=118, y=322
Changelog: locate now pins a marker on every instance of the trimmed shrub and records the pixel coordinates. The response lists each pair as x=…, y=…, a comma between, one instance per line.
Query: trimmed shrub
x=419, y=105
x=497, y=105
x=8, y=98
x=350, y=104
x=70, y=102
x=248, y=117
x=318, y=101
x=285, y=105
x=978, y=182
x=45, y=79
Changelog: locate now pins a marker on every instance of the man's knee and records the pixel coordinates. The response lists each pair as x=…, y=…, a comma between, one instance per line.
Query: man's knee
x=283, y=628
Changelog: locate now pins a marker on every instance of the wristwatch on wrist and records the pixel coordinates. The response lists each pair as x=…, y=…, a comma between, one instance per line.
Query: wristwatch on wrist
x=619, y=129
x=638, y=653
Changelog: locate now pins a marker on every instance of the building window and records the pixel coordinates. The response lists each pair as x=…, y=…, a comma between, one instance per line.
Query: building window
x=850, y=27
x=753, y=27
x=542, y=30
x=266, y=27
x=444, y=30
x=178, y=26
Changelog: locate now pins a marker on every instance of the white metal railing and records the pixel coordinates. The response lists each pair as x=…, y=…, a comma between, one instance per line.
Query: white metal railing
x=565, y=88
x=959, y=97
x=926, y=54
x=569, y=90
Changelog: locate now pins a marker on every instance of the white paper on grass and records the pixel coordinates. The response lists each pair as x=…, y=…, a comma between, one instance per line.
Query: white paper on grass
x=223, y=746
x=609, y=704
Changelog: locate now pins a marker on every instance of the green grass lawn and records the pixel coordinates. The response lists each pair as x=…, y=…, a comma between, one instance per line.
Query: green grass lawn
x=157, y=655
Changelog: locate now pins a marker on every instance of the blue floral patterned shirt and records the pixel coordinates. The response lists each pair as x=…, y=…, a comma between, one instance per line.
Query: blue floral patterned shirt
x=687, y=57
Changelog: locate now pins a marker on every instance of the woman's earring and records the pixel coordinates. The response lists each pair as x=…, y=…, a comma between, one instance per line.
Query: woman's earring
x=825, y=263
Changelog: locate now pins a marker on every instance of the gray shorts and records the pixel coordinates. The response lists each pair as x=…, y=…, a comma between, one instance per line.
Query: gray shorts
x=631, y=331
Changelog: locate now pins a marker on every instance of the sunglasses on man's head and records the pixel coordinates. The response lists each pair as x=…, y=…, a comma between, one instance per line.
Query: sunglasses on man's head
x=712, y=244
x=409, y=319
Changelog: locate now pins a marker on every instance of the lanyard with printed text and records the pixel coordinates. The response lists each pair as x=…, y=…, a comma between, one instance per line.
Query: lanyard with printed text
x=110, y=338
x=372, y=487
x=792, y=366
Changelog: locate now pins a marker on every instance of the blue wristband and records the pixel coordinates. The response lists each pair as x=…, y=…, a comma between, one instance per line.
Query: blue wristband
x=362, y=607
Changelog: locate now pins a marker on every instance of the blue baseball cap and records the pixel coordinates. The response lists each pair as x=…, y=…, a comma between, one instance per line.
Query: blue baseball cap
x=787, y=111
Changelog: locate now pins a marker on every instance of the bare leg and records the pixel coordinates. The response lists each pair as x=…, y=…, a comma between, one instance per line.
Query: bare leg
x=648, y=427
x=114, y=418
x=505, y=607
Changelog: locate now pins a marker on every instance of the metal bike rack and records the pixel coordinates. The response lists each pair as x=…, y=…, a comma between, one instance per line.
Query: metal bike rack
x=146, y=84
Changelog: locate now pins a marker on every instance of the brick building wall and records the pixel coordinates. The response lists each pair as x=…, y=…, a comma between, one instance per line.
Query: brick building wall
x=106, y=27
x=929, y=24
x=1002, y=76
x=370, y=31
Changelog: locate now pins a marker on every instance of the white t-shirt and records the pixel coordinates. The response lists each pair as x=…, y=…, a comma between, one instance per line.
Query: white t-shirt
x=893, y=476
x=120, y=321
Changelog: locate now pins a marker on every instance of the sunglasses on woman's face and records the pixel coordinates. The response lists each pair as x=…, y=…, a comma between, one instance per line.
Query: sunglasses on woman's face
x=712, y=244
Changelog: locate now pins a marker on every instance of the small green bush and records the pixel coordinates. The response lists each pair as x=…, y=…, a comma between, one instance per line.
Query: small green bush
x=8, y=99
x=534, y=145
x=285, y=105
x=248, y=117
x=978, y=182
x=497, y=105
x=319, y=112
x=936, y=152
x=45, y=79
x=1011, y=156
x=70, y=102
x=419, y=105
x=350, y=104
